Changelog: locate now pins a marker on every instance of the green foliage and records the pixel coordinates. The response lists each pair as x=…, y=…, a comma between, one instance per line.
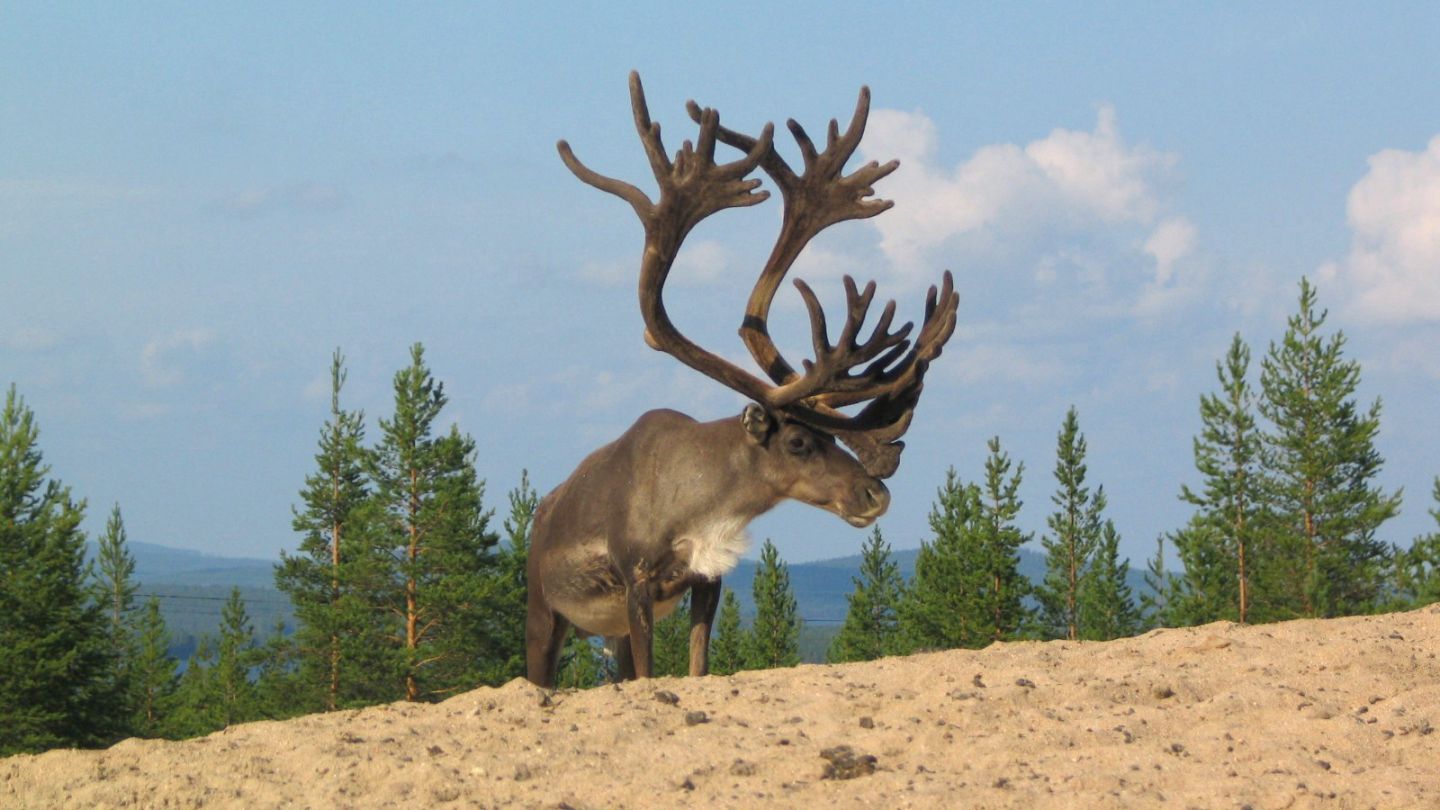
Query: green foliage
x=774, y=637
x=152, y=672
x=57, y=659
x=1417, y=569
x=234, y=692
x=727, y=643
x=1004, y=589
x=871, y=628
x=1075, y=530
x=1320, y=461
x=942, y=607
x=1219, y=548
x=333, y=580
x=582, y=664
x=114, y=590
x=512, y=588
x=433, y=526
x=1106, y=604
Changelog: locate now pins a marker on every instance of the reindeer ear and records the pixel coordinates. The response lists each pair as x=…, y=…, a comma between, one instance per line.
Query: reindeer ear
x=757, y=423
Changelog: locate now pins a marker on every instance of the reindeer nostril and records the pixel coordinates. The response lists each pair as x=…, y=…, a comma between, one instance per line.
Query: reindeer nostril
x=877, y=497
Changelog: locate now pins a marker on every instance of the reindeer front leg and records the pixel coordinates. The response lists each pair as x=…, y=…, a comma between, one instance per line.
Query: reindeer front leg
x=704, y=599
x=640, y=607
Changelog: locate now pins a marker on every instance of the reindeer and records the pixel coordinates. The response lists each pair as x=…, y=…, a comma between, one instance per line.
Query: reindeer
x=662, y=510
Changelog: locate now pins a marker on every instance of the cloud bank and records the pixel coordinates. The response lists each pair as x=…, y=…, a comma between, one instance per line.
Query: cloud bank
x=1085, y=206
x=1392, y=273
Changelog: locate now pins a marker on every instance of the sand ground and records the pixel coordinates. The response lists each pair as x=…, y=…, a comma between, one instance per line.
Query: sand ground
x=1327, y=714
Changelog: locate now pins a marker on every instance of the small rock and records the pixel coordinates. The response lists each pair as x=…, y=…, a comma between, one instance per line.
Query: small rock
x=522, y=772
x=867, y=722
x=687, y=784
x=742, y=768
x=695, y=718
x=666, y=696
x=976, y=680
x=843, y=763
x=434, y=750
x=1162, y=691
x=1025, y=682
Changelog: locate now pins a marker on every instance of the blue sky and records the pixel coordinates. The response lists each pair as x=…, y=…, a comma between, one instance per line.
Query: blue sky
x=198, y=204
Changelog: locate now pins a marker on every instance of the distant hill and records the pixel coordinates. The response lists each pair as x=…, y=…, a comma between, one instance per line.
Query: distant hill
x=193, y=586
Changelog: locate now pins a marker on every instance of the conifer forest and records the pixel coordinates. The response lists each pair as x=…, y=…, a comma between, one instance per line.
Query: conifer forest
x=407, y=574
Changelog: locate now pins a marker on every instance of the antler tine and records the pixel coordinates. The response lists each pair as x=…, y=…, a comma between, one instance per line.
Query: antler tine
x=637, y=199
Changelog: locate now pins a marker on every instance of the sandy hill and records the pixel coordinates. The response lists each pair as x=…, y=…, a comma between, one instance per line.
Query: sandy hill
x=1330, y=714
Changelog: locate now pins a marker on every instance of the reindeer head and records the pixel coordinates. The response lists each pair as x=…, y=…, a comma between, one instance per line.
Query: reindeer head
x=884, y=371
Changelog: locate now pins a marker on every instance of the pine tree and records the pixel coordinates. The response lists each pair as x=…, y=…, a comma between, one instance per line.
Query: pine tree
x=1107, y=607
x=871, y=628
x=511, y=605
x=1320, y=462
x=1075, y=533
x=437, y=533
x=1217, y=548
x=727, y=645
x=670, y=650
x=152, y=671
x=330, y=580
x=56, y=657
x=115, y=585
x=774, y=637
x=943, y=605
x=1005, y=588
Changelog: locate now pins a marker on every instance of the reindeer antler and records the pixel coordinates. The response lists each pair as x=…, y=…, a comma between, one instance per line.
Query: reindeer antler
x=693, y=186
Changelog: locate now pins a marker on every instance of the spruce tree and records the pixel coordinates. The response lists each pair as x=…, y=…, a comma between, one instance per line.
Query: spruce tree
x=943, y=606
x=1160, y=589
x=152, y=671
x=276, y=677
x=115, y=588
x=56, y=655
x=774, y=637
x=436, y=531
x=1217, y=548
x=1320, y=463
x=235, y=657
x=1005, y=588
x=1075, y=531
x=871, y=628
x=1107, y=607
x=331, y=579
x=196, y=707
x=727, y=644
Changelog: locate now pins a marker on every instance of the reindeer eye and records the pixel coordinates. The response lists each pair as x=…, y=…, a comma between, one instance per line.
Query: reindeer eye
x=797, y=444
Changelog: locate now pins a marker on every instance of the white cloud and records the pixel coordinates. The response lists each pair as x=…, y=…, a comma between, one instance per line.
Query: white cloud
x=164, y=360
x=1081, y=206
x=1393, y=270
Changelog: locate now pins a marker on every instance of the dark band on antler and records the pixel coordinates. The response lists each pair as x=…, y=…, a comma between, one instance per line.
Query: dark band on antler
x=693, y=186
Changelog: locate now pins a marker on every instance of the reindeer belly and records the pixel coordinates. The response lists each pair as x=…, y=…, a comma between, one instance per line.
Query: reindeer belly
x=591, y=595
